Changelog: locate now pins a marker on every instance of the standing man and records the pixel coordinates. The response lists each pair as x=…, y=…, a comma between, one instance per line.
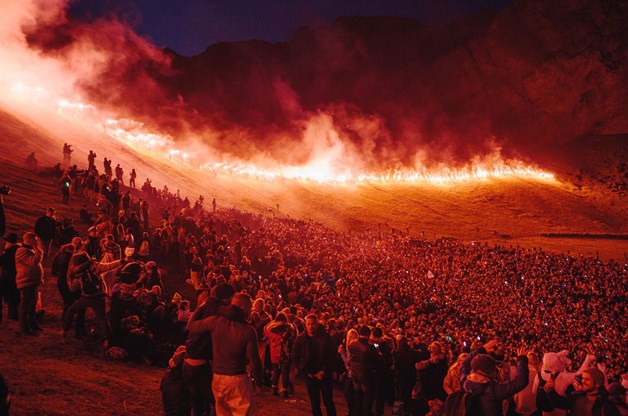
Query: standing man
x=132, y=177
x=30, y=275
x=119, y=174
x=314, y=355
x=91, y=158
x=234, y=342
x=364, y=362
x=46, y=228
x=59, y=268
x=84, y=274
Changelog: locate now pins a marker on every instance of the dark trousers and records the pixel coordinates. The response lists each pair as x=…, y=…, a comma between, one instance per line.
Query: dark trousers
x=198, y=380
x=28, y=304
x=97, y=304
x=280, y=370
x=69, y=298
x=317, y=389
x=349, y=393
x=174, y=395
x=11, y=296
x=363, y=395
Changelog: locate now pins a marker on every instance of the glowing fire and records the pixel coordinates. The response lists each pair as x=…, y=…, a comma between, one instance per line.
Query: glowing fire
x=321, y=170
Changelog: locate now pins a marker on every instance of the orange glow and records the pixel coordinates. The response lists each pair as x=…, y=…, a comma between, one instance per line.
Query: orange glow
x=322, y=168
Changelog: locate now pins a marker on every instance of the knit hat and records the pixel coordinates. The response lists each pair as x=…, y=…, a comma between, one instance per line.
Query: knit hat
x=364, y=331
x=224, y=291
x=555, y=362
x=483, y=364
x=10, y=238
x=596, y=374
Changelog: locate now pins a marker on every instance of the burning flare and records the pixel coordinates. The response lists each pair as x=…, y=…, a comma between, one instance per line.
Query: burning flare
x=324, y=166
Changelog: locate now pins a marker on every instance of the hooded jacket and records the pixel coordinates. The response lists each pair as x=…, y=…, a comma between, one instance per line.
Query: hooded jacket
x=487, y=394
x=28, y=266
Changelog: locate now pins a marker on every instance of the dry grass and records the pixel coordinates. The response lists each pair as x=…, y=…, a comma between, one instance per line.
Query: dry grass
x=50, y=376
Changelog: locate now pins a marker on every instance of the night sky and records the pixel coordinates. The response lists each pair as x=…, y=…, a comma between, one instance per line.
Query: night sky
x=189, y=26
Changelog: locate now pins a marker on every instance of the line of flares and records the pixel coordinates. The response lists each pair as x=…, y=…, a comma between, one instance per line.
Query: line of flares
x=133, y=133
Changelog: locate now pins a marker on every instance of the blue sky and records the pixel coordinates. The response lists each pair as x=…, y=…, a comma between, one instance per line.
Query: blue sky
x=189, y=26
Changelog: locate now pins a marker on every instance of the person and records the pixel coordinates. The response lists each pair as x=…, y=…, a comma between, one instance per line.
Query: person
x=46, y=229
x=174, y=397
x=59, y=268
x=525, y=400
x=31, y=161
x=384, y=386
x=8, y=287
x=349, y=393
x=405, y=359
x=478, y=376
x=132, y=177
x=29, y=276
x=119, y=174
x=313, y=355
x=64, y=187
x=432, y=372
x=452, y=379
x=84, y=274
x=4, y=190
x=197, y=370
x=91, y=158
x=234, y=342
x=150, y=276
x=5, y=398
x=67, y=153
x=280, y=334
x=585, y=397
x=364, y=360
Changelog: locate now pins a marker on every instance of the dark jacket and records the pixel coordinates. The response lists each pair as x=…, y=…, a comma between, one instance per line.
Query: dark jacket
x=364, y=361
x=45, y=228
x=199, y=344
x=8, y=270
x=313, y=354
x=487, y=395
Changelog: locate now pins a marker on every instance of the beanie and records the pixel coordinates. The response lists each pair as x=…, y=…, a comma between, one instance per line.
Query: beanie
x=224, y=291
x=484, y=365
x=597, y=375
x=364, y=331
x=11, y=238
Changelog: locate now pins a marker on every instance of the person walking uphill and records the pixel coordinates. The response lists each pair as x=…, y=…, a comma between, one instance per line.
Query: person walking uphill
x=313, y=354
x=30, y=275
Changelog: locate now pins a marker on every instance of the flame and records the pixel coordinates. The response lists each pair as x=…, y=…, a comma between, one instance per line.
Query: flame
x=323, y=167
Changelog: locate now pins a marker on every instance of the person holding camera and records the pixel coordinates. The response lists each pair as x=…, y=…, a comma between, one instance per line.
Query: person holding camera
x=64, y=187
x=585, y=397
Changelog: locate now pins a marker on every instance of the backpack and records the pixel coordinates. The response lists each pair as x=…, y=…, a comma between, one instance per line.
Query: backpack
x=92, y=284
x=459, y=403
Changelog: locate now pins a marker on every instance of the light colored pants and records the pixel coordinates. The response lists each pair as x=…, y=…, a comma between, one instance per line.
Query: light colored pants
x=234, y=395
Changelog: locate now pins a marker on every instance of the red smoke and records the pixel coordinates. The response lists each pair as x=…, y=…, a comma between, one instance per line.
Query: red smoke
x=377, y=93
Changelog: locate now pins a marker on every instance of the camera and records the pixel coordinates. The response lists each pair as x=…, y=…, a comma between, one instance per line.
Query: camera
x=5, y=190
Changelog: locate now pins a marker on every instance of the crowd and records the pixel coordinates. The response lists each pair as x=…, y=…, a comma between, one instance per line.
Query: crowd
x=395, y=320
